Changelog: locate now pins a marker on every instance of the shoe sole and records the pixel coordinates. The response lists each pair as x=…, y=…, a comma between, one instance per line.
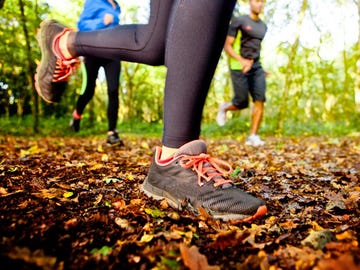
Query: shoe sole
x=159, y=194
x=41, y=40
x=118, y=144
x=220, y=119
x=254, y=144
x=43, y=67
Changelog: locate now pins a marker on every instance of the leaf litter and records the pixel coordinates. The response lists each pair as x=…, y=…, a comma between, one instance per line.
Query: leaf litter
x=70, y=203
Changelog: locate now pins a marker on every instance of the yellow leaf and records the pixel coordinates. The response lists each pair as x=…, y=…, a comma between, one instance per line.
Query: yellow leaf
x=146, y=238
x=345, y=235
x=271, y=219
x=33, y=150
x=136, y=201
x=355, y=195
x=68, y=194
x=316, y=226
x=105, y=158
x=98, y=199
x=155, y=213
x=3, y=191
x=145, y=145
x=122, y=223
x=288, y=224
x=95, y=167
x=174, y=215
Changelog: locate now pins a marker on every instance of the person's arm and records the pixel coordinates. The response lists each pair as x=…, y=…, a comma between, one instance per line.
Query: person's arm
x=94, y=16
x=229, y=49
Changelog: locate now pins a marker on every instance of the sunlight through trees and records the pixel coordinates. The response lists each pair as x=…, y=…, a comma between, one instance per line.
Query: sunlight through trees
x=313, y=66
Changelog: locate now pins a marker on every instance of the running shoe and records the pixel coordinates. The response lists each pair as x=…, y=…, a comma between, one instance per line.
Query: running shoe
x=254, y=140
x=75, y=124
x=113, y=139
x=221, y=115
x=193, y=179
x=53, y=72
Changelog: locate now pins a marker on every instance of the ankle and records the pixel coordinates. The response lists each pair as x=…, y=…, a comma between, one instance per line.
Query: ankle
x=63, y=45
x=112, y=132
x=76, y=115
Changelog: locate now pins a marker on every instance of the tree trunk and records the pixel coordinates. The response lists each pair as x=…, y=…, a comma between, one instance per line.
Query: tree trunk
x=30, y=68
x=289, y=67
x=357, y=68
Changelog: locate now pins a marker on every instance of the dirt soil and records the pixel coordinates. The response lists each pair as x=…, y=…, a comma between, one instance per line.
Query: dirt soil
x=73, y=203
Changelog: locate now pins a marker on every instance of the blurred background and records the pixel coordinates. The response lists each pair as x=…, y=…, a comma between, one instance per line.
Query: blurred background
x=311, y=53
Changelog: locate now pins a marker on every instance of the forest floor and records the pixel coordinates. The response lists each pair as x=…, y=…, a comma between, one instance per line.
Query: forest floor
x=73, y=203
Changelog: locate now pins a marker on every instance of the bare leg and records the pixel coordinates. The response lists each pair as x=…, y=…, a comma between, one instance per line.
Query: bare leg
x=231, y=107
x=257, y=114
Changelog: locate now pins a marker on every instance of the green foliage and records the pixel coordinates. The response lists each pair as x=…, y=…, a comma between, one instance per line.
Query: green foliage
x=54, y=126
x=236, y=128
x=320, y=100
x=14, y=84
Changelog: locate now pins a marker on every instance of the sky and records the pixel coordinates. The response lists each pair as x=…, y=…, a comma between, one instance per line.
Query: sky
x=340, y=22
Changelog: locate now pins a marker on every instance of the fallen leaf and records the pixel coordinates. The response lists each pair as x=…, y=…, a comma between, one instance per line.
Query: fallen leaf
x=318, y=239
x=194, y=259
x=146, y=238
x=344, y=262
x=154, y=212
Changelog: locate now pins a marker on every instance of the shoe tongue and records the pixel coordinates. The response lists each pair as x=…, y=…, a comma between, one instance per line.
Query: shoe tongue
x=193, y=148
x=196, y=148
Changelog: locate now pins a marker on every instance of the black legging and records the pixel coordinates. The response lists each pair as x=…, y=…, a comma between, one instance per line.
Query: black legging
x=112, y=73
x=185, y=35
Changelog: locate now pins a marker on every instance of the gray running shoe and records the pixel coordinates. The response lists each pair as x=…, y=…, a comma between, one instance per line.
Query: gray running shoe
x=53, y=72
x=113, y=139
x=192, y=179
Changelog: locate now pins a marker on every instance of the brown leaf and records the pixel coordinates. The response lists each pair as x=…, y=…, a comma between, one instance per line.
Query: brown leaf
x=229, y=238
x=194, y=259
x=344, y=262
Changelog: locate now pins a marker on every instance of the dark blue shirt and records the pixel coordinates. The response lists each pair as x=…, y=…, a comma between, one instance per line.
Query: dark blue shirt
x=252, y=33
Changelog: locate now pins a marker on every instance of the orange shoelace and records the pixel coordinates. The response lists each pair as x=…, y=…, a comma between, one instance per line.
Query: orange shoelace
x=63, y=69
x=208, y=168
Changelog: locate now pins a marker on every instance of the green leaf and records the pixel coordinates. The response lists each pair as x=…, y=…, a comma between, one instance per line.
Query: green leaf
x=105, y=250
x=107, y=203
x=235, y=172
x=155, y=213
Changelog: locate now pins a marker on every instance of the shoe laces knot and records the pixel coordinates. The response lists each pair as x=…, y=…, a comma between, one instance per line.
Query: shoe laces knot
x=63, y=69
x=208, y=168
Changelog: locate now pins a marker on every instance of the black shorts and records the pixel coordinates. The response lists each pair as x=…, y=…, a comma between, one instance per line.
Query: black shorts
x=252, y=82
